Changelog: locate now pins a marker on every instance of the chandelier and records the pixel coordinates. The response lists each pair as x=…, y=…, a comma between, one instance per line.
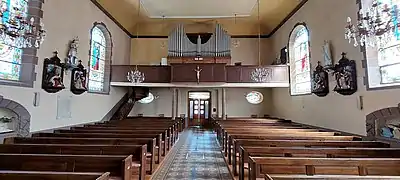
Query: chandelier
x=16, y=29
x=135, y=76
x=261, y=74
x=376, y=26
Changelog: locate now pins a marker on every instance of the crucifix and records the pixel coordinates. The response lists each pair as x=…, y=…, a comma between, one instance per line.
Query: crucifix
x=198, y=70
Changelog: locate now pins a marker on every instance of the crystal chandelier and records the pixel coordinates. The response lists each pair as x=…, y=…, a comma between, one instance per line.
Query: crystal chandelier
x=135, y=76
x=376, y=26
x=17, y=30
x=260, y=74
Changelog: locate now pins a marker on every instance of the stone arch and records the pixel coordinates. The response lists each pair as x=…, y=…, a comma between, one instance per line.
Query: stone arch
x=24, y=117
x=374, y=120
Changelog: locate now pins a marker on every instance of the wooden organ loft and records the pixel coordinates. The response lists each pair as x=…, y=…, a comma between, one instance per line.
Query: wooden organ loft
x=199, y=59
x=199, y=47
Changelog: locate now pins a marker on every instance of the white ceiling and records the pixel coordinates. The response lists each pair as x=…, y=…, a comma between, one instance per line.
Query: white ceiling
x=198, y=8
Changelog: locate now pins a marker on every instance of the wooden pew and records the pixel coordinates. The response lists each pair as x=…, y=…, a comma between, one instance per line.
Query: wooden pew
x=285, y=136
x=109, y=135
x=327, y=177
x=166, y=140
x=150, y=142
x=138, y=152
x=119, y=166
x=247, y=151
x=323, y=166
x=237, y=143
x=46, y=175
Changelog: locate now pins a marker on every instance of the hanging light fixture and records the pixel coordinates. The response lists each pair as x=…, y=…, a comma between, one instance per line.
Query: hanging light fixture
x=376, y=26
x=17, y=30
x=163, y=43
x=235, y=42
x=136, y=76
x=260, y=74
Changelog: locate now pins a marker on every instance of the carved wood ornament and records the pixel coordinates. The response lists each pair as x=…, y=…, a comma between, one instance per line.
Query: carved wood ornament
x=320, y=82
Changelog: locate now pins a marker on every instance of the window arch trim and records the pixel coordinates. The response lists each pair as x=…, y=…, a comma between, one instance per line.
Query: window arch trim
x=289, y=49
x=108, y=60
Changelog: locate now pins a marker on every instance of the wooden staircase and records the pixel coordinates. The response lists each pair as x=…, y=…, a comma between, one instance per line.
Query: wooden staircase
x=135, y=94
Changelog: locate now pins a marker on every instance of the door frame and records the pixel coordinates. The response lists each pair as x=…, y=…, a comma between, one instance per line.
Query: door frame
x=209, y=107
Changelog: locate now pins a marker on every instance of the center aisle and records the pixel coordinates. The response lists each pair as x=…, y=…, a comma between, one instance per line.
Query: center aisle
x=195, y=156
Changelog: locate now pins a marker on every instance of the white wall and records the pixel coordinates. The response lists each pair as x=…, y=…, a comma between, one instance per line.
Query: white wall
x=326, y=20
x=65, y=19
x=236, y=106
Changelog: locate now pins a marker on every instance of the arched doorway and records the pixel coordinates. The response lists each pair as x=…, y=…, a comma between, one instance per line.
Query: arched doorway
x=21, y=117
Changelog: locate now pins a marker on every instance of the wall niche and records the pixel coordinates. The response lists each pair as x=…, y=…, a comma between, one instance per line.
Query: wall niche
x=384, y=123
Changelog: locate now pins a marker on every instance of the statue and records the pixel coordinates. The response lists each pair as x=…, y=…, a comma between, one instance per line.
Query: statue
x=72, y=57
x=198, y=70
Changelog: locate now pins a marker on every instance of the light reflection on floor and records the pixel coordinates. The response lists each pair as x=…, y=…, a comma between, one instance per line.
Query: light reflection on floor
x=196, y=156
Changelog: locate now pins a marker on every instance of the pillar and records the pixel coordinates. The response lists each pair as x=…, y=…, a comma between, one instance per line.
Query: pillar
x=223, y=93
x=173, y=104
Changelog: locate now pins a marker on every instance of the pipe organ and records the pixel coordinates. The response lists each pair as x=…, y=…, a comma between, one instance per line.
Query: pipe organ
x=218, y=45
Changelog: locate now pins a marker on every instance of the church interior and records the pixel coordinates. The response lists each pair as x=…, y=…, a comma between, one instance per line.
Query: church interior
x=205, y=90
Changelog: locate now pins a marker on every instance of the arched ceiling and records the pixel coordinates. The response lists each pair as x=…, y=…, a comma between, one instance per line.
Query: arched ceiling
x=158, y=17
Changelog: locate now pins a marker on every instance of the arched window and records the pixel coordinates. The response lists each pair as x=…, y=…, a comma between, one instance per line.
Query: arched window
x=100, y=59
x=299, y=57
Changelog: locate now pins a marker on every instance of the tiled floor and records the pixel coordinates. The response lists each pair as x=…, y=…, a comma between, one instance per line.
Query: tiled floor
x=196, y=156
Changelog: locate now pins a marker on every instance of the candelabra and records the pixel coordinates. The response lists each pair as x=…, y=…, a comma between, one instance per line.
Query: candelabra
x=135, y=76
x=261, y=74
x=376, y=25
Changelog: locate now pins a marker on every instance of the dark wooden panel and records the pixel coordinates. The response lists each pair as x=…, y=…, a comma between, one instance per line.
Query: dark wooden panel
x=187, y=73
x=219, y=73
x=183, y=72
x=153, y=74
x=233, y=74
x=246, y=74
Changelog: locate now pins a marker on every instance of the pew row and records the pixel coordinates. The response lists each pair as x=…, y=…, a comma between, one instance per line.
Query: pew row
x=46, y=175
x=118, y=166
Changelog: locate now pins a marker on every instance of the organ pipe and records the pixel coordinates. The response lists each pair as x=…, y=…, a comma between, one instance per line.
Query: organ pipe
x=218, y=45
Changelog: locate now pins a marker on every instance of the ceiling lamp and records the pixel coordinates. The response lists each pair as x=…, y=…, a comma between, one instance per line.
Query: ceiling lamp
x=260, y=74
x=136, y=76
x=376, y=25
x=16, y=29
x=235, y=42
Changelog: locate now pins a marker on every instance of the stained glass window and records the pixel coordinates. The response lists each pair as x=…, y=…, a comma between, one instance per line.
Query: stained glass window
x=10, y=55
x=254, y=97
x=98, y=58
x=299, y=54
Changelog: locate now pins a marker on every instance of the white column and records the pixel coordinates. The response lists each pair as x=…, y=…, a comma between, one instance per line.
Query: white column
x=177, y=102
x=173, y=104
x=223, y=103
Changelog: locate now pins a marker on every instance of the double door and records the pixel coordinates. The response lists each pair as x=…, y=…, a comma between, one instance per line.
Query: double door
x=199, y=111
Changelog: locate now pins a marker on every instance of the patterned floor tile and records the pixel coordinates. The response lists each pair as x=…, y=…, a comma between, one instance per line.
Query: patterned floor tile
x=196, y=156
